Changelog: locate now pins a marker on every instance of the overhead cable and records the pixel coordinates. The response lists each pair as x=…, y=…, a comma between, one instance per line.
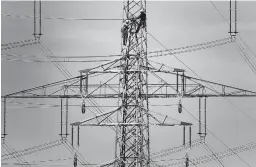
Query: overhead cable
x=60, y=18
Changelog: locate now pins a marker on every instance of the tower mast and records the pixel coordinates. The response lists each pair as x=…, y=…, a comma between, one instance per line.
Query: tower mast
x=133, y=141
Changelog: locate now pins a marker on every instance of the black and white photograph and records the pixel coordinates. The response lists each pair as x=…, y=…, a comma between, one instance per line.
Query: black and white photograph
x=128, y=83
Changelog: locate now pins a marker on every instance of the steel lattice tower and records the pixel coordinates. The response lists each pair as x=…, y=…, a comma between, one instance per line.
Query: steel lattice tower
x=133, y=141
x=132, y=145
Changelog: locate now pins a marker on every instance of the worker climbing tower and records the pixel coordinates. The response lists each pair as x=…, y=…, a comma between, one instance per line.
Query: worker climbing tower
x=132, y=145
x=130, y=120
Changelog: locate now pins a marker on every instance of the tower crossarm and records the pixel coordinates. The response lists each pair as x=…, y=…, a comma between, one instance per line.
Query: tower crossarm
x=189, y=87
x=129, y=124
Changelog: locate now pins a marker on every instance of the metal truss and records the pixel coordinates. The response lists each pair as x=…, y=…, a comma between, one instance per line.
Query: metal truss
x=128, y=81
x=189, y=87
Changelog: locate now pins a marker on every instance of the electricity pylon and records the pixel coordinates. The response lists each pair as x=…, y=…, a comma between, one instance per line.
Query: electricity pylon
x=133, y=118
x=134, y=82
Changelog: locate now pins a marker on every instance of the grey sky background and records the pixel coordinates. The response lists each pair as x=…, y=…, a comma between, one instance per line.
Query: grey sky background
x=175, y=24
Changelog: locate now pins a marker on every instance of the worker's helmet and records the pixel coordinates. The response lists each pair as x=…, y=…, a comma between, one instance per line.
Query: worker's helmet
x=141, y=11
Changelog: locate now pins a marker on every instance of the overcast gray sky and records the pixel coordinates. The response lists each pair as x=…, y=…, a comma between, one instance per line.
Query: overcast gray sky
x=175, y=24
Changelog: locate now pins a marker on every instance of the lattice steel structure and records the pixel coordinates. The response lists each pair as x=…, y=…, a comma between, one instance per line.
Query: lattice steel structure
x=133, y=91
x=133, y=142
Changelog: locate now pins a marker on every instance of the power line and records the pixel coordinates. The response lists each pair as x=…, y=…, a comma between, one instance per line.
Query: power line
x=30, y=150
x=245, y=57
x=213, y=88
x=224, y=143
x=59, y=61
x=17, y=44
x=10, y=150
x=201, y=79
x=57, y=57
x=220, y=140
x=60, y=18
x=176, y=149
x=192, y=48
x=228, y=147
x=217, y=159
x=185, y=49
x=215, y=7
x=73, y=150
x=91, y=100
x=69, y=73
x=220, y=155
x=57, y=65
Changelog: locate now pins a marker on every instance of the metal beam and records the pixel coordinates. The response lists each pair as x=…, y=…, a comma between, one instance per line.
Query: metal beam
x=191, y=88
x=171, y=95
